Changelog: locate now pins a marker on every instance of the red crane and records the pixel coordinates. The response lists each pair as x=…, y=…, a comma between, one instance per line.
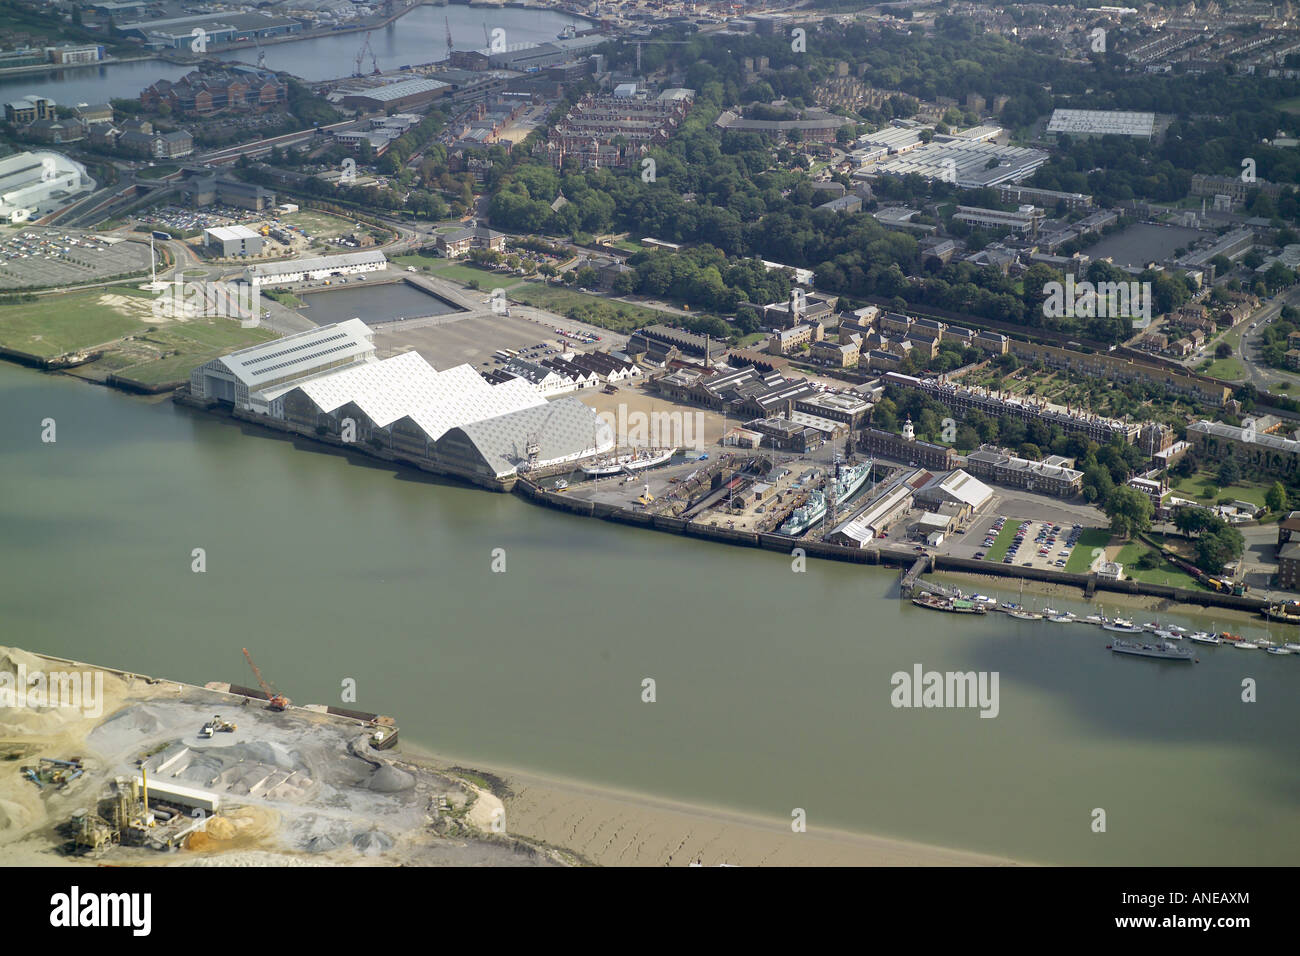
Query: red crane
x=276, y=701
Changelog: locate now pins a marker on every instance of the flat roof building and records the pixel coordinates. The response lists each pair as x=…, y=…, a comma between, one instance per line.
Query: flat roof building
x=1088, y=123
x=319, y=267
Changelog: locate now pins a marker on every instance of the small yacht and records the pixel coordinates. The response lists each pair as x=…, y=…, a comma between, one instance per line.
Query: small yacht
x=1201, y=637
x=1246, y=645
x=1280, y=651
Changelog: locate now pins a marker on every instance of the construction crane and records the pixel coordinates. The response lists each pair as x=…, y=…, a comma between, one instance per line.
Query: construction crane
x=275, y=701
x=448, y=22
x=361, y=55
x=261, y=54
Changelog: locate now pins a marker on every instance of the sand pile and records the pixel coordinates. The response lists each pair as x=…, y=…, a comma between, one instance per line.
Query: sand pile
x=372, y=842
x=389, y=779
x=50, y=698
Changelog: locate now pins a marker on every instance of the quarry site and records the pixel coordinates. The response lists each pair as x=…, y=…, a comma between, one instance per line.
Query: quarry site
x=135, y=770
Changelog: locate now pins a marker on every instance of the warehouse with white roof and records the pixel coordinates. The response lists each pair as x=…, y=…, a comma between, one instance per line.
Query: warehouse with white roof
x=1087, y=123
x=316, y=268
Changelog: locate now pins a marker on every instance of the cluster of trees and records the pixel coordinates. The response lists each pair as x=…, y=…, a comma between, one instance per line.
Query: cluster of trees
x=1216, y=541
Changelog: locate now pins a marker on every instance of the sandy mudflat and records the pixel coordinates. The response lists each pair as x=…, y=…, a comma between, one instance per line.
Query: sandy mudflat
x=615, y=828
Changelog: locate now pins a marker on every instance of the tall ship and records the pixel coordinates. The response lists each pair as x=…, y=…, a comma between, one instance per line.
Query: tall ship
x=1159, y=650
x=806, y=515
x=631, y=462
x=849, y=479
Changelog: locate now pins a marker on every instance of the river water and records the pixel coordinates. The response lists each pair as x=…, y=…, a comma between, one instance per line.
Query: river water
x=773, y=687
x=418, y=37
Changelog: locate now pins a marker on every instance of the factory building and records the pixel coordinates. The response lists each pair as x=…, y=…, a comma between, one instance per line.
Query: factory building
x=1090, y=123
x=970, y=165
x=241, y=377
x=226, y=242
x=327, y=383
x=399, y=96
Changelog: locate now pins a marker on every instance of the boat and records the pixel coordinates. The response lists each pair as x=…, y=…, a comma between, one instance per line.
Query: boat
x=1122, y=626
x=1062, y=618
x=1094, y=619
x=1050, y=612
x=984, y=599
x=1229, y=636
x=849, y=478
x=1159, y=650
x=1201, y=637
x=1178, y=631
x=561, y=485
x=1246, y=645
x=1167, y=635
x=952, y=605
x=1010, y=606
x=1288, y=611
x=1291, y=646
x=631, y=462
x=1280, y=651
x=1023, y=615
x=805, y=516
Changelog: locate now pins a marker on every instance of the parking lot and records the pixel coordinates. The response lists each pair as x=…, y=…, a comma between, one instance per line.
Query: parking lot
x=43, y=258
x=1030, y=544
x=184, y=220
x=472, y=340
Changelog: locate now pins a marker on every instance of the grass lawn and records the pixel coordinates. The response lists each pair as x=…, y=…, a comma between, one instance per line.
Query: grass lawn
x=1204, y=488
x=1082, y=556
x=1229, y=369
x=69, y=323
x=598, y=311
x=156, y=172
x=319, y=225
x=177, y=349
x=1163, y=573
x=1004, y=540
x=465, y=274
x=629, y=245
x=752, y=339
x=1289, y=106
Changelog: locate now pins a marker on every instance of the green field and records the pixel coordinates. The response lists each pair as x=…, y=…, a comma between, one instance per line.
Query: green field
x=320, y=225
x=465, y=274
x=55, y=325
x=168, y=355
x=1289, y=106
x=1004, y=540
x=1163, y=573
x=159, y=353
x=1204, y=488
x=594, y=309
x=1081, y=557
x=156, y=172
x=1229, y=369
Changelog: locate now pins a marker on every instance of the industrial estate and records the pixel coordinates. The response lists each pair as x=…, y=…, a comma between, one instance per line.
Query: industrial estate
x=843, y=285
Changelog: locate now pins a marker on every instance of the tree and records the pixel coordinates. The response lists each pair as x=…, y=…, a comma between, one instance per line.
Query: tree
x=1129, y=511
x=1214, y=550
x=1223, y=350
x=1228, y=473
x=1275, y=498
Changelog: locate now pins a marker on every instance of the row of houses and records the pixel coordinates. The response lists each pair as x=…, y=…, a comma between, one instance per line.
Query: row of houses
x=603, y=131
x=200, y=93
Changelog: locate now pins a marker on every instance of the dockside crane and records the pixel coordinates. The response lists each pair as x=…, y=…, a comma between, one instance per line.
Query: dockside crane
x=448, y=22
x=361, y=55
x=275, y=701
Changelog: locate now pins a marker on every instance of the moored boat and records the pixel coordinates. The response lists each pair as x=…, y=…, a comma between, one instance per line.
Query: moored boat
x=1158, y=650
x=1246, y=645
x=1122, y=626
x=1280, y=651
x=1201, y=637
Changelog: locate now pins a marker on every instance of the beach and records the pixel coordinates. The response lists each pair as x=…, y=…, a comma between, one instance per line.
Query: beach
x=605, y=827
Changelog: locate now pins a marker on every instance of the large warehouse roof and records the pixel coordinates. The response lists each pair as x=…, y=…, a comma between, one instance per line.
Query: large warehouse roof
x=1101, y=122
x=291, y=266
x=400, y=90
x=967, y=163
x=565, y=429
x=300, y=353
x=407, y=386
